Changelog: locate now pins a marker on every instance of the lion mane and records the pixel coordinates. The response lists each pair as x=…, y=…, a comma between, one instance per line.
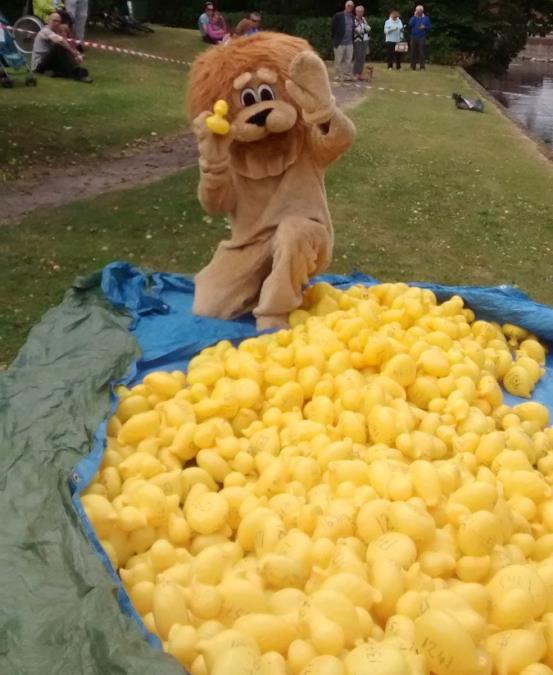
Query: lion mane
x=213, y=72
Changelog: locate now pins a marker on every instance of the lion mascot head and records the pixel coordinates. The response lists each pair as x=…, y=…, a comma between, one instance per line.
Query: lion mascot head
x=250, y=74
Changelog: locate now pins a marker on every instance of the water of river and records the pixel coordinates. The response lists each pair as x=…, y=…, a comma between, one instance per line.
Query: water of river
x=526, y=89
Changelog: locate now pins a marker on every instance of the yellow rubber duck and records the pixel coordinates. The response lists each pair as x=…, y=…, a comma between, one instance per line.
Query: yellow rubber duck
x=217, y=123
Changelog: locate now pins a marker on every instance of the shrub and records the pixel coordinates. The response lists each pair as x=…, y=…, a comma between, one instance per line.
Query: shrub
x=173, y=14
x=444, y=48
x=317, y=32
x=282, y=23
x=376, y=45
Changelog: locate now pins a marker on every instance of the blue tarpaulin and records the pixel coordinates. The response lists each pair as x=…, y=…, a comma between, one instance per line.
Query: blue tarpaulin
x=169, y=335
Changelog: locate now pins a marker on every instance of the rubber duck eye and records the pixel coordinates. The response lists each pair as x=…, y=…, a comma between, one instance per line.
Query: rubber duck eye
x=265, y=92
x=248, y=97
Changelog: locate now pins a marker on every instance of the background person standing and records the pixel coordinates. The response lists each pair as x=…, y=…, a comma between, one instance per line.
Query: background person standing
x=342, y=40
x=78, y=9
x=393, y=34
x=250, y=25
x=361, y=36
x=420, y=26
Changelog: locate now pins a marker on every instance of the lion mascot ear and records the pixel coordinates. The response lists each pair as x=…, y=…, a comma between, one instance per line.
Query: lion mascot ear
x=264, y=168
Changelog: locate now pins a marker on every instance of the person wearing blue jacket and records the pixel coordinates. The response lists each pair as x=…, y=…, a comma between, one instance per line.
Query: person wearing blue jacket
x=420, y=26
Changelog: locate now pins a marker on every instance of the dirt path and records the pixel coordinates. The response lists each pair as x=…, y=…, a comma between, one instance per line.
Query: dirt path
x=122, y=171
x=349, y=94
x=125, y=170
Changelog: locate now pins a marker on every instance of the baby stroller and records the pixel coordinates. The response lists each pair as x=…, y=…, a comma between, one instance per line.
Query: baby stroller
x=12, y=59
x=26, y=28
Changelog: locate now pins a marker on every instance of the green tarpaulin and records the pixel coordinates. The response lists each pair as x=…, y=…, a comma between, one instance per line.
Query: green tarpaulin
x=58, y=608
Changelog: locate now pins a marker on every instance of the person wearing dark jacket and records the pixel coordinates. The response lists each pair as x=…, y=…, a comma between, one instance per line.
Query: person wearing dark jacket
x=342, y=41
x=420, y=26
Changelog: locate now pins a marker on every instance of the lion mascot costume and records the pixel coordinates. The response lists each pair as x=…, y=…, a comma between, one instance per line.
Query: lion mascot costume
x=266, y=173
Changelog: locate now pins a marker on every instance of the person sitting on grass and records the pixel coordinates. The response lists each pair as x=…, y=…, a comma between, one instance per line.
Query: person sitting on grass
x=43, y=8
x=205, y=19
x=53, y=55
x=217, y=29
x=66, y=29
x=250, y=25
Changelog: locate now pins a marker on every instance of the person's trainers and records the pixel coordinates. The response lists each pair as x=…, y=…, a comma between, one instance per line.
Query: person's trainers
x=86, y=78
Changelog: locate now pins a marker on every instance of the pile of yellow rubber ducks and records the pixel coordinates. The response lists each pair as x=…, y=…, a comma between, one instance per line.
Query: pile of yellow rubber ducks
x=348, y=497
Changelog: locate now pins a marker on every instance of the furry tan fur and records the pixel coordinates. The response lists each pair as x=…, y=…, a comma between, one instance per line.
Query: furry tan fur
x=267, y=174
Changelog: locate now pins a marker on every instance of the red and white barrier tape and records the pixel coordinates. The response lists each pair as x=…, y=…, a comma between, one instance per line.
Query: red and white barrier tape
x=107, y=48
x=131, y=52
x=405, y=91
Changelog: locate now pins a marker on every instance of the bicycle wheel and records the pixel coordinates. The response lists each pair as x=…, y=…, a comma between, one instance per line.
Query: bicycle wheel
x=134, y=24
x=24, y=33
x=144, y=28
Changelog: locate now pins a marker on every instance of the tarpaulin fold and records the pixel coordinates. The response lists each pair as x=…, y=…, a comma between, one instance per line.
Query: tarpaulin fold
x=59, y=611
x=58, y=608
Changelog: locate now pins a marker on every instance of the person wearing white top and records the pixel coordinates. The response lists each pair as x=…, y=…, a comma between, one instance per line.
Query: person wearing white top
x=393, y=33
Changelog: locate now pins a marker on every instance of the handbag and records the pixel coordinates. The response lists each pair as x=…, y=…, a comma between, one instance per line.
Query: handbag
x=402, y=47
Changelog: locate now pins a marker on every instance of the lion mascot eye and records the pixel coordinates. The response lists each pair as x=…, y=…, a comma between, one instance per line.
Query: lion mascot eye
x=265, y=93
x=248, y=97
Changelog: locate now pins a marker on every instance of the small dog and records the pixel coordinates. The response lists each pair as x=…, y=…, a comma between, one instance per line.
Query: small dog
x=368, y=72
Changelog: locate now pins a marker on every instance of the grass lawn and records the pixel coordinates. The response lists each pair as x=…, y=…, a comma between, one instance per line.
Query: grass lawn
x=427, y=192
x=132, y=98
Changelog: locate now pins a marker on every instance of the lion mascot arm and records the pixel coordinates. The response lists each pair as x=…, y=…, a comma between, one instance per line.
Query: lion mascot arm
x=332, y=132
x=216, y=189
